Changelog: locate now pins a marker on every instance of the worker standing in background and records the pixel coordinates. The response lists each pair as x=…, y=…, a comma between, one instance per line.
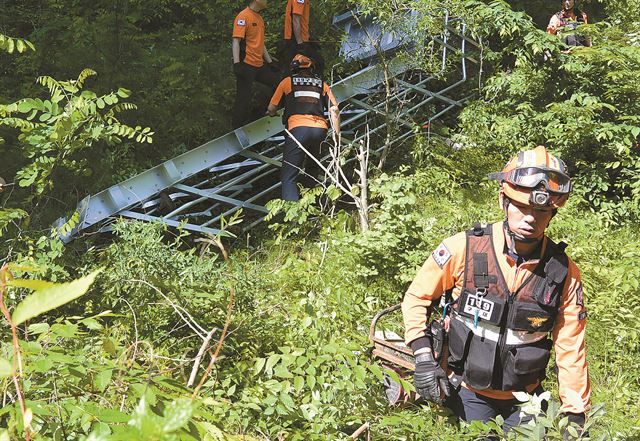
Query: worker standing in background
x=251, y=59
x=305, y=97
x=566, y=21
x=297, y=35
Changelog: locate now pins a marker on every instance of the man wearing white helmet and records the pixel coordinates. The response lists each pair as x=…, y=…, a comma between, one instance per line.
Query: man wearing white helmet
x=513, y=295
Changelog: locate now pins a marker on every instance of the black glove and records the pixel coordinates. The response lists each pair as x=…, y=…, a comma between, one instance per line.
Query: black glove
x=429, y=379
x=238, y=68
x=577, y=418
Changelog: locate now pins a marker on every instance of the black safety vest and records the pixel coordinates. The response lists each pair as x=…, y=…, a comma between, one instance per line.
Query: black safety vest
x=486, y=302
x=305, y=97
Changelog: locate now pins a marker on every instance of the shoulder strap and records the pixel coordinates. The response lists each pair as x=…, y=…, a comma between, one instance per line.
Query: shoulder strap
x=557, y=263
x=481, y=278
x=480, y=230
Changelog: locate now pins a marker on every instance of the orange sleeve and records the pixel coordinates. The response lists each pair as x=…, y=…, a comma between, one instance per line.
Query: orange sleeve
x=440, y=272
x=327, y=92
x=298, y=6
x=283, y=88
x=569, y=346
x=240, y=26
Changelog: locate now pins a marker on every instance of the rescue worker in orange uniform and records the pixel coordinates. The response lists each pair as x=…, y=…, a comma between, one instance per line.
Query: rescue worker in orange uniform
x=251, y=60
x=296, y=21
x=297, y=35
x=305, y=97
x=513, y=295
x=566, y=21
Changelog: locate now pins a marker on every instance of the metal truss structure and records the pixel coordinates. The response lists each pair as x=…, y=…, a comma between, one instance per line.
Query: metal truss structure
x=240, y=170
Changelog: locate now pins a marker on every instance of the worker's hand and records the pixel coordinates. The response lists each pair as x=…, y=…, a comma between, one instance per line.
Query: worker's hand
x=238, y=68
x=576, y=418
x=429, y=378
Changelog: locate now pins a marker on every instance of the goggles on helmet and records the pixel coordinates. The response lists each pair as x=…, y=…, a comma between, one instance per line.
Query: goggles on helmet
x=532, y=177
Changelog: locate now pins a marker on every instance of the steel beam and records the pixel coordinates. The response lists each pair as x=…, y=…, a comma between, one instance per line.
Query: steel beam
x=171, y=223
x=215, y=196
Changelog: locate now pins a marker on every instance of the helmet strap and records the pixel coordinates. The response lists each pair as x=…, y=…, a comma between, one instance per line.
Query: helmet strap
x=512, y=235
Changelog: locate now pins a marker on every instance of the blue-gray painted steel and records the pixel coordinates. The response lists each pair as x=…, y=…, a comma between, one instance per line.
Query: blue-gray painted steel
x=134, y=190
x=203, y=197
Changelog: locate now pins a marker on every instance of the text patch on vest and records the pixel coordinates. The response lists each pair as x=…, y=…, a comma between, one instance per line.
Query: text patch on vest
x=307, y=81
x=478, y=305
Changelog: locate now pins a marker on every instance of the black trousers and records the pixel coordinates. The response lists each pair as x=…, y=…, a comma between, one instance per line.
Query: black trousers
x=245, y=76
x=293, y=157
x=470, y=406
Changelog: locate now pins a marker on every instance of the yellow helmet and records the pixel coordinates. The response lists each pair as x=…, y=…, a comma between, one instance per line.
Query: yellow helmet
x=536, y=178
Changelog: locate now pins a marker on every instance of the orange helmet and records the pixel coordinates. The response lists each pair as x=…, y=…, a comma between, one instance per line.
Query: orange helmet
x=536, y=178
x=301, y=62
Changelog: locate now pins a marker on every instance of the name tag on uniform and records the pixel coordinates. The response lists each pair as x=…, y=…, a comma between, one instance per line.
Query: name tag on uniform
x=306, y=81
x=478, y=305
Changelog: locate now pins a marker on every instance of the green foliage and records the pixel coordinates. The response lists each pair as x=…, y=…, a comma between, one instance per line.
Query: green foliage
x=55, y=131
x=399, y=240
x=296, y=216
x=9, y=216
x=582, y=104
x=9, y=44
x=47, y=296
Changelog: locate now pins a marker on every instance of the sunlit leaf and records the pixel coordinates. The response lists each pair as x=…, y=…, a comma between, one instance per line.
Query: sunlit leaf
x=6, y=368
x=52, y=297
x=177, y=415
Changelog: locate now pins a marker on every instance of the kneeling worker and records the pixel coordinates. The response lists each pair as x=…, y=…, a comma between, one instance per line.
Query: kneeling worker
x=514, y=294
x=305, y=98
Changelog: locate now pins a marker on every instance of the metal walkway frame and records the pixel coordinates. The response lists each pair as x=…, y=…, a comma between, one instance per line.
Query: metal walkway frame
x=238, y=170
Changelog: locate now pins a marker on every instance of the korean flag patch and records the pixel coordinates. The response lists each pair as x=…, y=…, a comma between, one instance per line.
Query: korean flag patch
x=300, y=1
x=441, y=255
x=241, y=22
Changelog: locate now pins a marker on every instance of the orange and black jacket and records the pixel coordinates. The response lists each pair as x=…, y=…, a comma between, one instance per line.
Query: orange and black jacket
x=511, y=327
x=305, y=97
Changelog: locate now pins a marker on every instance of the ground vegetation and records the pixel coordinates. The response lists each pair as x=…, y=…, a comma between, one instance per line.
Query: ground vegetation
x=164, y=335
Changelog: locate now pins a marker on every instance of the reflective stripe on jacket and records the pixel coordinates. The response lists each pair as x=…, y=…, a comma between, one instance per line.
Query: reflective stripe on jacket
x=306, y=97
